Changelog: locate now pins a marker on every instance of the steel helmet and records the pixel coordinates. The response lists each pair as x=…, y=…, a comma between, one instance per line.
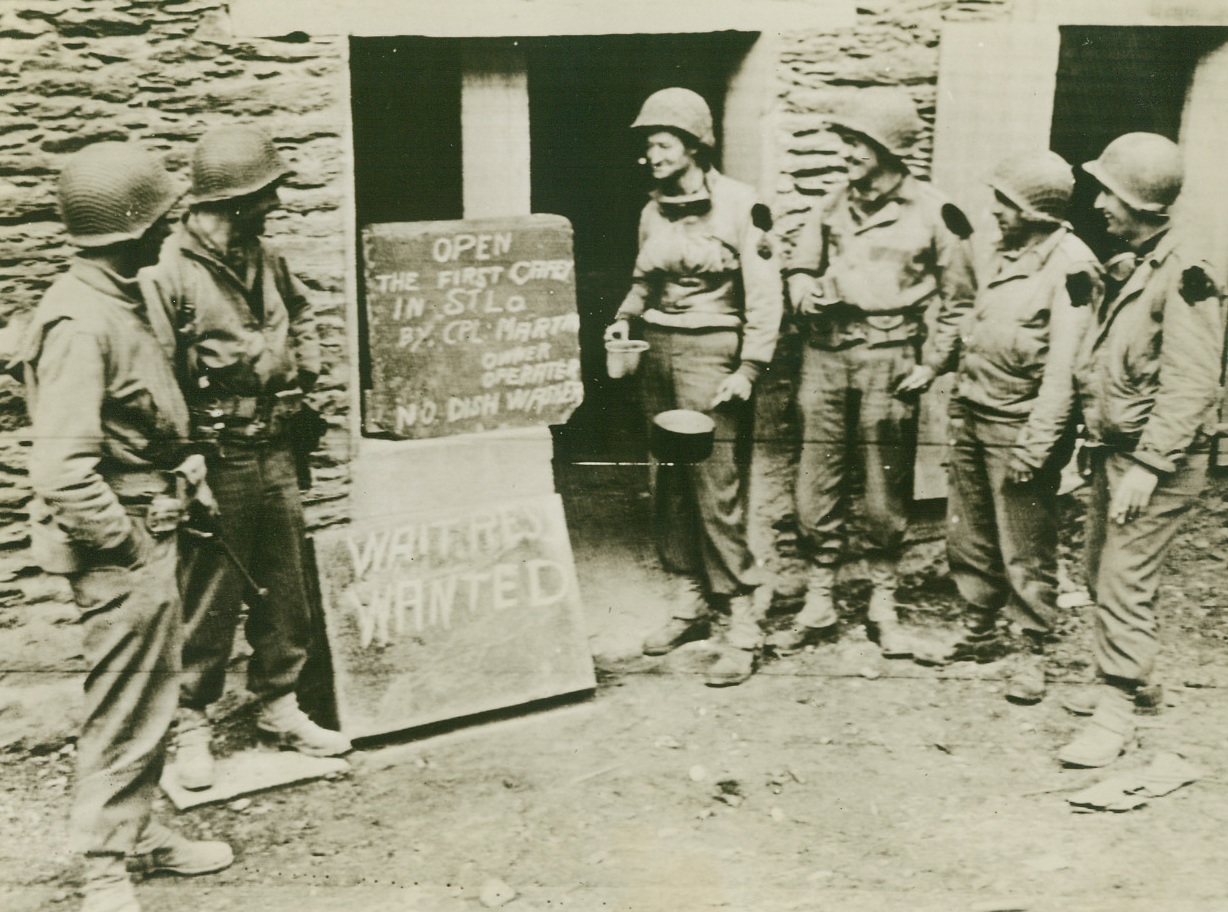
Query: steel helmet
x=1143, y=169
x=111, y=192
x=886, y=117
x=1039, y=184
x=234, y=161
x=678, y=109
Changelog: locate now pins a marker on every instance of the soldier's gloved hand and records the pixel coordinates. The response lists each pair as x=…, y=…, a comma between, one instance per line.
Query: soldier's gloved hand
x=619, y=330
x=917, y=381
x=734, y=388
x=1132, y=495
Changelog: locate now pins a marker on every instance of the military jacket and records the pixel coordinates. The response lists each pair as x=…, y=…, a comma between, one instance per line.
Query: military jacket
x=104, y=404
x=1017, y=345
x=238, y=335
x=878, y=273
x=1148, y=372
x=707, y=262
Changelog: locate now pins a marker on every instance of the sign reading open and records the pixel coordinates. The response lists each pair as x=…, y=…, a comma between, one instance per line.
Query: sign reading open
x=471, y=326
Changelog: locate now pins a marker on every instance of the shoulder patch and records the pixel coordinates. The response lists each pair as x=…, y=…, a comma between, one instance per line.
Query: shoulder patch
x=955, y=220
x=1079, y=286
x=761, y=217
x=1196, y=285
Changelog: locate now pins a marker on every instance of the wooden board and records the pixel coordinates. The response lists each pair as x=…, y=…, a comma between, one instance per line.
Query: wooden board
x=450, y=613
x=471, y=326
x=251, y=771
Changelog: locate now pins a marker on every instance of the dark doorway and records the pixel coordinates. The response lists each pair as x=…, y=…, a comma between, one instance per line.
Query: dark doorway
x=584, y=92
x=1113, y=80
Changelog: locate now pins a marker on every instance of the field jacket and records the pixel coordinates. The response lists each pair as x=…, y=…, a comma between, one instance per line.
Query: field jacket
x=706, y=262
x=1148, y=372
x=1017, y=345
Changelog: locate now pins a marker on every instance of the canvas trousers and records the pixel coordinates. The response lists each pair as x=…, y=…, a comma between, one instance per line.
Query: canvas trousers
x=849, y=416
x=700, y=511
x=1123, y=561
x=132, y=627
x=261, y=517
x=1001, y=536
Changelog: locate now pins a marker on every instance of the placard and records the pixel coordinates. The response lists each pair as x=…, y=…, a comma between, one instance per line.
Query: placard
x=451, y=613
x=471, y=326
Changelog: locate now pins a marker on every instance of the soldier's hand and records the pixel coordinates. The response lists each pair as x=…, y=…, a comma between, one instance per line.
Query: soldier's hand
x=917, y=381
x=1018, y=471
x=734, y=388
x=618, y=330
x=205, y=498
x=1132, y=495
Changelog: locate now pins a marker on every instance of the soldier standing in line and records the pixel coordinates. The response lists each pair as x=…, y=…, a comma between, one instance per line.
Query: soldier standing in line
x=707, y=293
x=868, y=263
x=111, y=471
x=247, y=353
x=1011, y=424
x=1148, y=381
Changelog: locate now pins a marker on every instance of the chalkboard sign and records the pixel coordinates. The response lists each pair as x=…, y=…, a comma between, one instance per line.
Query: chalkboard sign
x=449, y=613
x=471, y=326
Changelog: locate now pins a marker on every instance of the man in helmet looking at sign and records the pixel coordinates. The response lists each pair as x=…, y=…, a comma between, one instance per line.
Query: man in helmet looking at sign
x=1147, y=377
x=870, y=260
x=111, y=469
x=247, y=353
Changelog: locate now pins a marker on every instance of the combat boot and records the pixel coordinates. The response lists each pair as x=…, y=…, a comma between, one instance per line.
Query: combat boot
x=107, y=886
x=194, y=768
x=690, y=620
x=732, y=667
x=893, y=641
x=1026, y=682
x=282, y=721
x=975, y=641
x=817, y=619
x=1106, y=734
x=1148, y=699
x=162, y=850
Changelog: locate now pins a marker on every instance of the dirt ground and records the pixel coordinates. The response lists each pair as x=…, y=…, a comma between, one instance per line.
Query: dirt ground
x=832, y=780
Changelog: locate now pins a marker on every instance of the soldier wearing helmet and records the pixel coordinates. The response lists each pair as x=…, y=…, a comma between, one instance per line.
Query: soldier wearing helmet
x=706, y=293
x=247, y=354
x=869, y=262
x=1147, y=378
x=1011, y=419
x=110, y=467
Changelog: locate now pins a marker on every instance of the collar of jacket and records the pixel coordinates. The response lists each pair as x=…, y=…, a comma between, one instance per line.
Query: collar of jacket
x=890, y=204
x=198, y=248
x=1028, y=260
x=1146, y=261
x=696, y=203
x=107, y=282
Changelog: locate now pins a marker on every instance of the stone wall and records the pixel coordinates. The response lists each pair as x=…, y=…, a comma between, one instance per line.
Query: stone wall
x=159, y=74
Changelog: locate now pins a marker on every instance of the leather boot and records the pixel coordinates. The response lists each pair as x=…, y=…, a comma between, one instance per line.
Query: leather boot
x=194, y=768
x=817, y=619
x=974, y=641
x=107, y=886
x=1026, y=684
x=690, y=619
x=1106, y=734
x=893, y=640
x=282, y=721
x=162, y=850
x=732, y=667
x=1148, y=699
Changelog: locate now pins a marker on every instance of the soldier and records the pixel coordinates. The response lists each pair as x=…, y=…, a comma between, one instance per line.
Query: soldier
x=109, y=464
x=1011, y=418
x=867, y=265
x=247, y=352
x=707, y=293
x=1148, y=379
